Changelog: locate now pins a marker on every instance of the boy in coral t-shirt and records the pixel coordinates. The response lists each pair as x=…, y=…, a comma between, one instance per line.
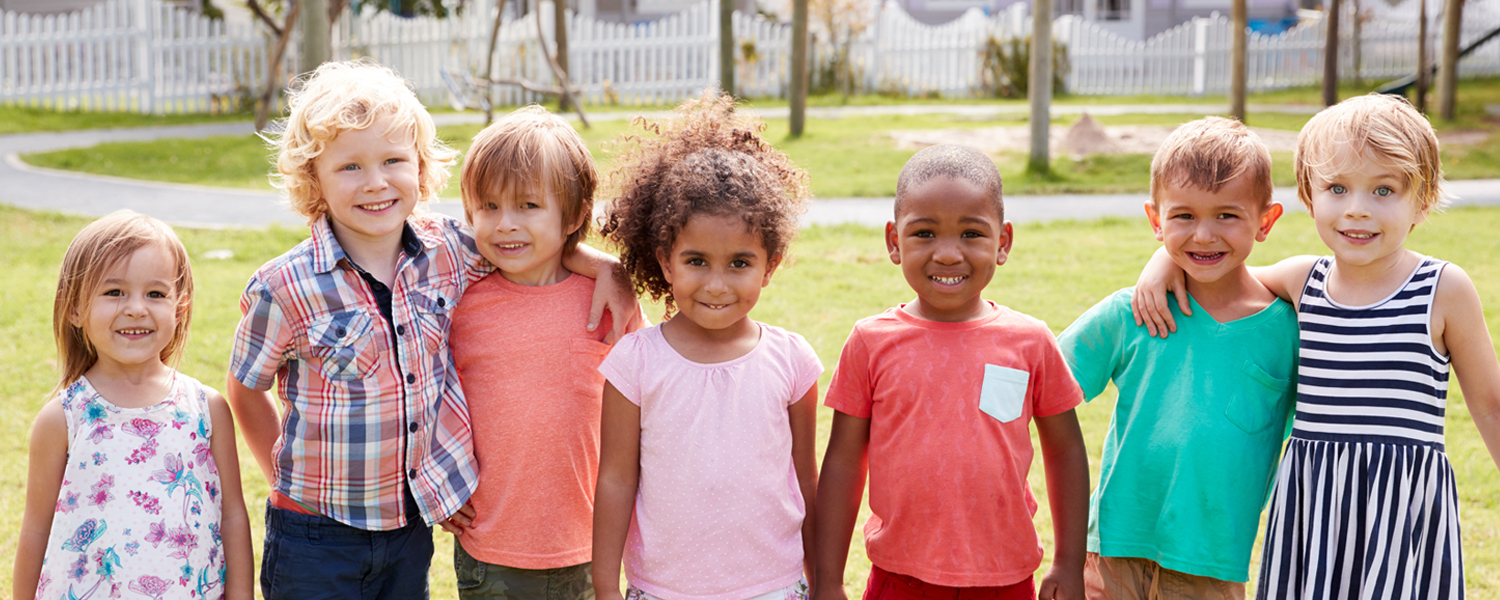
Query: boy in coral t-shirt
x=938, y=394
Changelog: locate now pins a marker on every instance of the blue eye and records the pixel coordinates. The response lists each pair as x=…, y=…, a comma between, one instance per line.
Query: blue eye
x=1384, y=191
x=1337, y=189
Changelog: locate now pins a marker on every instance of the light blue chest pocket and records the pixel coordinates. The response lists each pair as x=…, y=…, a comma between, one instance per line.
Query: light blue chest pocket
x=1003, y=395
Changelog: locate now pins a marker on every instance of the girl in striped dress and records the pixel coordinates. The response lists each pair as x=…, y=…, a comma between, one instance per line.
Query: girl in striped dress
x=1365, y=504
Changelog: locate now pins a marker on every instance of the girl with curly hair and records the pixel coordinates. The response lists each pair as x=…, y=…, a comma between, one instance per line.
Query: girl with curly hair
x=708, y=420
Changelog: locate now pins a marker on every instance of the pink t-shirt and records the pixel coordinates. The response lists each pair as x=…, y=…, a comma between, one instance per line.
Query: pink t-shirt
x=718, y=513
x=949, y=407
x=529, y=369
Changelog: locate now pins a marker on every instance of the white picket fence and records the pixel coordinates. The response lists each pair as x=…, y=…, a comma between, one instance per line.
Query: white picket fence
x=140, y=55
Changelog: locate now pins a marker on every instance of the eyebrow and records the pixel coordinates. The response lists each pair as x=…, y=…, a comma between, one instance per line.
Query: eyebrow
x=117, y=281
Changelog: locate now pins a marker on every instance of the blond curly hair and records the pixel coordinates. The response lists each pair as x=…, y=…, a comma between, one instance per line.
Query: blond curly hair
x=350, y=96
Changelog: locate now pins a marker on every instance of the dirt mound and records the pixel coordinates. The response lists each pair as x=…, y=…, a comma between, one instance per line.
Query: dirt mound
x=1087, y=137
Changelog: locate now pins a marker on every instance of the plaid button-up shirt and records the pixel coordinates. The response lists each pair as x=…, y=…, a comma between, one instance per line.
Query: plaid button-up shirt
x=365, y=413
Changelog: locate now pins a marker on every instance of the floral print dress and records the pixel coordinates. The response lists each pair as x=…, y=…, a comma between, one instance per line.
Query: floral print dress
x=138, y=512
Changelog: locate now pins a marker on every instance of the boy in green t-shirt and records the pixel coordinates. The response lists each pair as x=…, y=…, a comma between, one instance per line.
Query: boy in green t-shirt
x=1191, y=451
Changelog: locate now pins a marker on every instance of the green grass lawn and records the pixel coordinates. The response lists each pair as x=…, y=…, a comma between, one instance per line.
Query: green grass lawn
x=838, y=275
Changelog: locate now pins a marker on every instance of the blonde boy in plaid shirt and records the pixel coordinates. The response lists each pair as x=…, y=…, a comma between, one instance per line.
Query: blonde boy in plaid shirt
x=374, y=441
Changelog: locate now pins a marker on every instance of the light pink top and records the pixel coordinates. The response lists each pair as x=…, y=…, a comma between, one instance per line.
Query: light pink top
x=718, y=513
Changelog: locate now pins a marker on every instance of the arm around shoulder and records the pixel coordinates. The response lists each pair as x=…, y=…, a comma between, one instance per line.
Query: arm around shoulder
x=234, y=520
x=1457, y=310
x=1285, y=278
x=612, y=290
x=44, y=475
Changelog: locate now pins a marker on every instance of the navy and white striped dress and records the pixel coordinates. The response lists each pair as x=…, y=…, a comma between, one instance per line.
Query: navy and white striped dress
x=1365, y=505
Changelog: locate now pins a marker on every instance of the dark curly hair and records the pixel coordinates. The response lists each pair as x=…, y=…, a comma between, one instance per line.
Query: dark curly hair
x=707, y=160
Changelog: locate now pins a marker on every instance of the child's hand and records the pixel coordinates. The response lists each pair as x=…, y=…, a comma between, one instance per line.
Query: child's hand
x=830, y=591
x=1060, y=584
x=460, y=522
x=619, y=298
x=1149, y=303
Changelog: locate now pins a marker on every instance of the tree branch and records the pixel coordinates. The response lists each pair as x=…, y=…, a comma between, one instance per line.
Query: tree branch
x=255, y=7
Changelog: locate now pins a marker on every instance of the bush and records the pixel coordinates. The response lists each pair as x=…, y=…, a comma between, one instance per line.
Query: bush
x=1007, y=66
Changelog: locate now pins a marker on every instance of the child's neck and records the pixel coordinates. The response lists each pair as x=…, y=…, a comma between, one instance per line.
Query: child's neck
x=973, y=310
x=1360, y=285
x=550, y=273
x=131, y=386
x=375, y=256
x=709, y=346
x=1232, y=297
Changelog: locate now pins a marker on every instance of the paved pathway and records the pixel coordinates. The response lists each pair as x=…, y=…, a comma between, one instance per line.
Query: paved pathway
x=33, y=187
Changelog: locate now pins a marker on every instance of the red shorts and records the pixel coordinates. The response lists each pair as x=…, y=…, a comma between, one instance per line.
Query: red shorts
x=884, y=585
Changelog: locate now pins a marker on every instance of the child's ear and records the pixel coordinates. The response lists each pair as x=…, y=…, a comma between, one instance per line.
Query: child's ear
x=1268, y=218
x=1007, y=236
x=771, y=265
x=892, y=244
x=583, y=217
x=666, y=265
x=1155, y=219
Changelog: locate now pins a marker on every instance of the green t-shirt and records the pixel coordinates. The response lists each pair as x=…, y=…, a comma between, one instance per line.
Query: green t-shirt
x=1192, y=447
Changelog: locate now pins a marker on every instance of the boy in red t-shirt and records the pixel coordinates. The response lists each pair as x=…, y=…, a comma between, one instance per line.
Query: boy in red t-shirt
x=937, y=395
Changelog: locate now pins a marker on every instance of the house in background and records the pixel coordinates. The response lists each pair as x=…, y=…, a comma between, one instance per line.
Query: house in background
x=1129, y=19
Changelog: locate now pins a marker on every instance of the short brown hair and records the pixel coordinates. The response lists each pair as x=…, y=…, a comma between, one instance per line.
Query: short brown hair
x=1380, y=124
x=526, y=150
x=1209, y=153
x=96, y=249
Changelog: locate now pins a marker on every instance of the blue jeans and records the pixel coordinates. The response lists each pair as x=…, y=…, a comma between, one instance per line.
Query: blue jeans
x=312, y=557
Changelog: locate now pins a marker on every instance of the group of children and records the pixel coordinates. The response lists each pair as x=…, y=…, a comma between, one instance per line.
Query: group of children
x=493, y=378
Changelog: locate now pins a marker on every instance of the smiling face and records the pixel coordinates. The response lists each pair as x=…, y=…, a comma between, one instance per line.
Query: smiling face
x=1365, y=212
x=523, y=236
x=1210, y=234
x=948, y=239
x=370, y=182
x=717, y=268
x=132, y=315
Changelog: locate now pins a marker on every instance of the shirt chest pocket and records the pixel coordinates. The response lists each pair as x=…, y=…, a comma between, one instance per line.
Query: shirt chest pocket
x=1256, y=407
x=1003, y=395
x=433, y=317
x=342, y=345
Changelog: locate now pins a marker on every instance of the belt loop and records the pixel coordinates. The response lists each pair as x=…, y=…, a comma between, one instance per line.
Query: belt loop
x=313, y=526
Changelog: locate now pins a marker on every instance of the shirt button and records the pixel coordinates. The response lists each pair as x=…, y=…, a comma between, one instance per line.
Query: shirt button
x=340, y=332
x=411, y=378
x=412, y=473
x=442, y=302
x=413, y=427
x=400, y=330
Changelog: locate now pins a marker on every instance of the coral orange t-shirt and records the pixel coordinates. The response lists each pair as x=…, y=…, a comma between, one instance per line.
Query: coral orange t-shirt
x=950, y=445
x=529, y=369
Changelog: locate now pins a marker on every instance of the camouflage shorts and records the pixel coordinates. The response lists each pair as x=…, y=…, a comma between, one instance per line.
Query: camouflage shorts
x=479, y=580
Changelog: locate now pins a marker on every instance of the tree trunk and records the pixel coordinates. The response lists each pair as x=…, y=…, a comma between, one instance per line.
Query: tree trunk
x=1448, y=67
x=1237, y=76
x=489, y=65
x=1356, y=47
x=1039, y=86
x=726, y=46
x=316, y=48
x=798, y=91
x=1424, y=59
x=273, y=68
x=560, y=34
x=1331, y=56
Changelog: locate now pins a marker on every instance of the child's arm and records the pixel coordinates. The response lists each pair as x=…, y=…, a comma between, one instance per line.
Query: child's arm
x=611, y=290
x=44, y=475
x=1458, y=311
x=256, y=412
x=614, y=497
x=1067, y=464
x=1161, y=275
x=842, y=487
x=804, y=421
x=234, y=521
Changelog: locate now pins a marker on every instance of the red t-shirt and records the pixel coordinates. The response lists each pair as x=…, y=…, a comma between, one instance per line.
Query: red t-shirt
x=949, y=406
x=529, y=369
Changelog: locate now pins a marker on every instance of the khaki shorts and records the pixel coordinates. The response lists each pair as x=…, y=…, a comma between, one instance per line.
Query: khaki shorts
x=1120, y=578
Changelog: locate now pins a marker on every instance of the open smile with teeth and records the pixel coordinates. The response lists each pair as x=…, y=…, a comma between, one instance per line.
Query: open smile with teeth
x=516, y=246
x=1205, y=256
x=949, y=280
x=378, y=206
x=134, y=331
x=714, y=306
x=1359, y=236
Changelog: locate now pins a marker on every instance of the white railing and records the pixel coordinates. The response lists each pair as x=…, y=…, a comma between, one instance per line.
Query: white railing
x=141, y=55
x=134, y=55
